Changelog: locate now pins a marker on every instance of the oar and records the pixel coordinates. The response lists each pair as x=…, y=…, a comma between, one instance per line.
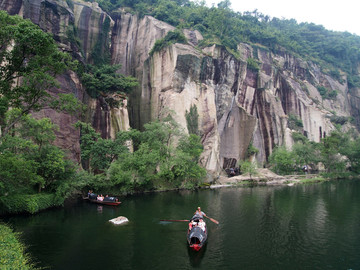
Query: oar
x=175, y=220
x=213, y=220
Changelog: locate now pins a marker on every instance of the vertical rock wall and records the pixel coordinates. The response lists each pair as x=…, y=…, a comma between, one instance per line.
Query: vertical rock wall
x=132, y=40
x=236, y=105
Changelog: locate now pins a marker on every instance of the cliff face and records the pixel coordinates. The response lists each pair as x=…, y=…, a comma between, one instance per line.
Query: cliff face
x=78, y=27
x=237, y=103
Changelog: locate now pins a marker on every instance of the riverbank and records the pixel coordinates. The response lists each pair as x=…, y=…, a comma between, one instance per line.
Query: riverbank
x=266, y=177
x=12, y=252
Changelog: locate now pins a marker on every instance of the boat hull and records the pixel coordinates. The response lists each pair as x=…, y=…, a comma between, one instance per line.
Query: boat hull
x=196, y=238
x=103, y=202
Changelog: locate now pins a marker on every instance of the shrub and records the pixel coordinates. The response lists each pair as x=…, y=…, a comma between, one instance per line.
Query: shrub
x=252, y=64
x=298, y=137
x=294, y=122
x=339, y=120
x=333, y=94
x=326, y=93
x=17, y=174
x=252, y=150
x=192, y=120
x=12, y=251
x=322, y=91
x=248, y=167
x=28, y=203
x=282, y=161
x=172, y=37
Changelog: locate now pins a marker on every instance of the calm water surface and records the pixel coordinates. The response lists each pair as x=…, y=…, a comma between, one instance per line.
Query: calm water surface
x=314, y=226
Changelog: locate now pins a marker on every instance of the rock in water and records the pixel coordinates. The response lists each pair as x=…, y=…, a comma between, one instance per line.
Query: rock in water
x=119, y=220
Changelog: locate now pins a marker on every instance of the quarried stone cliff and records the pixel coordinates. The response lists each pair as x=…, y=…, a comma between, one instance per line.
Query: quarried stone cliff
x=242, y=100
x=237, y=104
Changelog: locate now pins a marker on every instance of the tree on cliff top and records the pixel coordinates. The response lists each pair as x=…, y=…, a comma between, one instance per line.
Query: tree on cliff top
x=105, y=79
x=30, y=60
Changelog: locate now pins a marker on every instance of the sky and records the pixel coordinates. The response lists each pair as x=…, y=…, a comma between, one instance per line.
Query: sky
x=334, y=15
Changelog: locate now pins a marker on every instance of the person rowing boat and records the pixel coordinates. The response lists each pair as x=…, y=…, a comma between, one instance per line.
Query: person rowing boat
x=199, y=214
x=197, y=231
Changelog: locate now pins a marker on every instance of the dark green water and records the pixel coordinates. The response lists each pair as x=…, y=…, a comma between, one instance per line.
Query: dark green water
x=314, y=226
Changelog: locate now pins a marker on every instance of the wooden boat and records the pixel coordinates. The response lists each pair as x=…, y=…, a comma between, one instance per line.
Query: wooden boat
x=197, y=233
x=105, y=201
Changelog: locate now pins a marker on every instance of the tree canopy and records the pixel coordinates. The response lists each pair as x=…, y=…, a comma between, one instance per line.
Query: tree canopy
x=157, y=160
x=105, y=79
x=30, y=60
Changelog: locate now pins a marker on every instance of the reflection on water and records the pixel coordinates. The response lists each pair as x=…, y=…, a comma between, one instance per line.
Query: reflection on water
x=301, y=227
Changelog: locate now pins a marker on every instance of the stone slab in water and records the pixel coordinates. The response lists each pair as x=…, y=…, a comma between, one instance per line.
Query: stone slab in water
x=119, y=220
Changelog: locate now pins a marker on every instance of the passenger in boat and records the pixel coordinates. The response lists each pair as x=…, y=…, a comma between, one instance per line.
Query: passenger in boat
x=109, y=199
x=100, y=198
x=192, y=224
x=92, y=195
x=201, y=224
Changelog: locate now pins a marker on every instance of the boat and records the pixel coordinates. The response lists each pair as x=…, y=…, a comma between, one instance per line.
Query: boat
x=107, y=200
x=197, y=233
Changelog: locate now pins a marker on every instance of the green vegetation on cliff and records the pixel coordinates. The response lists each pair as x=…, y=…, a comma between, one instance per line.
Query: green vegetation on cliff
x=192, y=120
x=170, y=38
x=105, y=79
x=221, y=25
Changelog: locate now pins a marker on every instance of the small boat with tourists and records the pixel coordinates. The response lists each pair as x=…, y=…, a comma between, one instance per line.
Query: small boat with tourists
x=197, y=233
x=99, y=199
